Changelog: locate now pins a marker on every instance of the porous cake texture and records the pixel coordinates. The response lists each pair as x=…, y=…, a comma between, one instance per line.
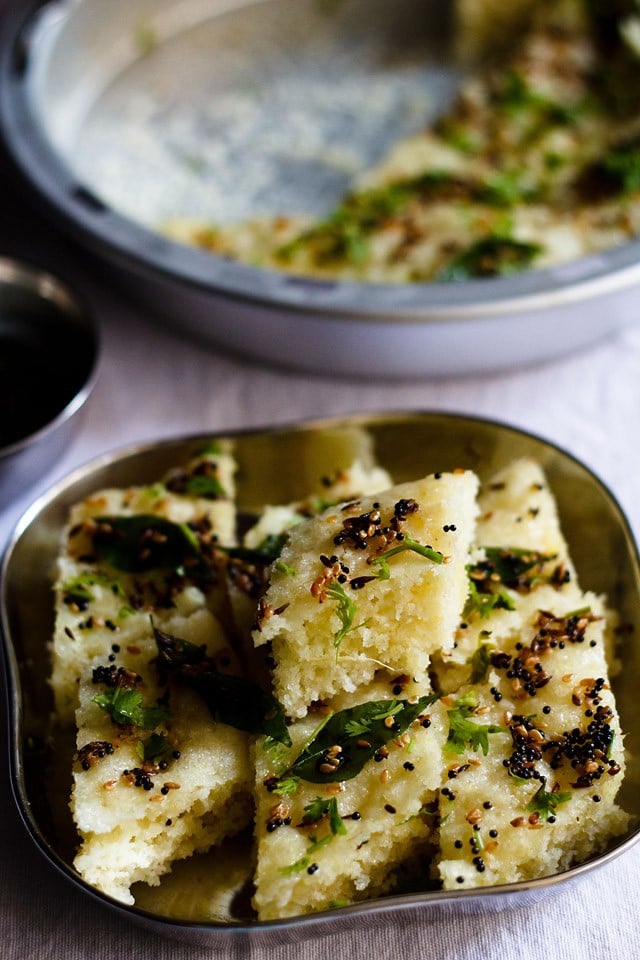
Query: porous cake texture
x=155, y=777
x=442, y=714
x=378, y=583
x=519, y=553
x=104, y=598
x=248, y=571
x=538, y=793
x=169, y=783
x=343, y=838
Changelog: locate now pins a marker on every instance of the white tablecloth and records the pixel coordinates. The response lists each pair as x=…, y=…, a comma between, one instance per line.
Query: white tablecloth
x=154, y=384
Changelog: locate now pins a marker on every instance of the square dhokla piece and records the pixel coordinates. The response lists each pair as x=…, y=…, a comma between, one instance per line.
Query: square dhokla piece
x=248, y=567
x=534, y=791
x=519, y=552
x=105, y=593
x=375, y=583
x=155, y=778
x=355, y=818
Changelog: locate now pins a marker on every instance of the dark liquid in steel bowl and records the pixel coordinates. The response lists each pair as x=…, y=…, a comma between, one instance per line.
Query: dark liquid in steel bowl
x=39, y=375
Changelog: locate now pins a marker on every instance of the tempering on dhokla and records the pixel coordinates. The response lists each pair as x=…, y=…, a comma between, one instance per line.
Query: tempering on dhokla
x=424, y=699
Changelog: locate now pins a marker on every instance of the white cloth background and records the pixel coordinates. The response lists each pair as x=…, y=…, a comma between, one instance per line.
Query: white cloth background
x=153, y=384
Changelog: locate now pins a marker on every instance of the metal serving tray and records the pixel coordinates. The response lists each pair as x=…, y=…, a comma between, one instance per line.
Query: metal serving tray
x=278, y=465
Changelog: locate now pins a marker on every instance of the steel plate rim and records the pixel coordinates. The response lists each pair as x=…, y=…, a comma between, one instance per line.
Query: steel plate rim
x=306, y=925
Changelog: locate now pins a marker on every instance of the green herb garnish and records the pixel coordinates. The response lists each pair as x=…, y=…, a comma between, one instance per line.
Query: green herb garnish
x=266, y=553
x=320, y=808
x=124, y=706
x=145, y=542
x=485, y=603
x=230, y=699
x=286, y=786
x=491, y=256
x=204, y=485
x=155, y=747
x=359, y=732
x=465, y=733
x=296, y=867
x=480, y=662
x=346, y=610
x=506, y=190
x=78, y=588
x=407, y=543
x=512, y=567
x=511, y=563
x=517, y=96
x=545, y=803
x=315, y=812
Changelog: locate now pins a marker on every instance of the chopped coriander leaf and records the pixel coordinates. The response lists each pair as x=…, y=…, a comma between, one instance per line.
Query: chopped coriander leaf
x=491, y=256
x=320, y=808
x=155, y=747
x=124, y=706
x=346, y=610
x=78, y=588
x=612, y=736
x=154, y=491
x=516, y=96
x=317, y=843
x=408, y=543
x=456, y=135
x=363, y=725
x=484, y=603
x=577, y=614
x=230, y=699
x=506, y=190
x=286, y=786
x=623, y=167
x=480, y=662
x=545, y=803
x=345, y=233
x=465, y=733
x=283, y=567
x=206, y=485
x=315, y=812
x=358, y=733
x=296, y=867
x=513, y=567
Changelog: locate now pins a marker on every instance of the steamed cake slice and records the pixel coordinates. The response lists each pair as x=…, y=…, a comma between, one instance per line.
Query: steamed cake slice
x=518, y=530
x=357, y=480
x=145, y=796
x=247, y=574
x=352, y=592
x=98, y=604
x=518, y=508
x=324, y=844
x=543, y=796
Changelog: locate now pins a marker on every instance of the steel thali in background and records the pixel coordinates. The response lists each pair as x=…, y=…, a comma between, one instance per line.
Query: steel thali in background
x=120, y=114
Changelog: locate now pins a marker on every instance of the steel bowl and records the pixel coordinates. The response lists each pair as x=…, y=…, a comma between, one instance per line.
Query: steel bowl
x=104, y=108
x=276, y=465
x=48, y=355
